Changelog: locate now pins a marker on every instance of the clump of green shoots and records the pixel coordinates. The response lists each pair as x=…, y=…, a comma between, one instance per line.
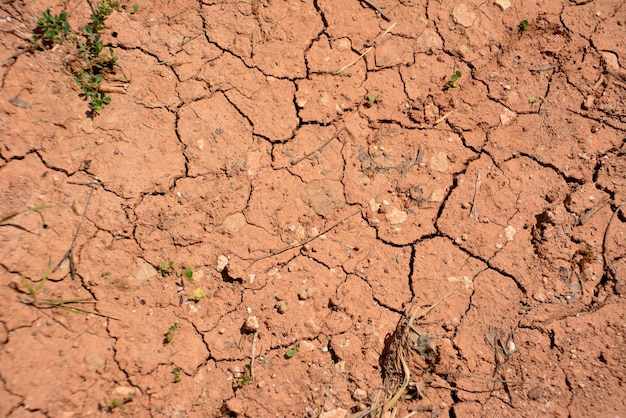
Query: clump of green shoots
x=245, y=377
x=452, y=83
x=117, y=403
x=176, y=372
x=169, y=335
x=51, y=30
x=167, y=269
x=292, y=351
x=523, y=25
x=89, y=64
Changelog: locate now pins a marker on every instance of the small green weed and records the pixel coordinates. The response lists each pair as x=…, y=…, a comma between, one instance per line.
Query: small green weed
x=89, y=65
x=533, y=100
x=33, y=289
x=51, y=30
x=169, y=335
x=134, y=9
x=452, y=83
x=176, y=372
x=165, y=268
x=245, y=377
x=523, y=25
x=188, y=273
x=117, y=403
x=292, y=351
x=14, y=214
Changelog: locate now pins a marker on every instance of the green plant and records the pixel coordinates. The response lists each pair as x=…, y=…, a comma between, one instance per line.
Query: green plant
x=532, y=100
x=89, y=65
x=89, y=45
x=14, y=214
x=292, y=351
x=33, y=289
x=523, y=25
x=119, y=403
x=134, y=9
x=452, y=84
x=165, y=268
x=176, y=372
x=245, y=377
x=51, y=29
x=169, y=335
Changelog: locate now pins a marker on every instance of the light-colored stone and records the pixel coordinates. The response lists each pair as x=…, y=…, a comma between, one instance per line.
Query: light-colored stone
x=439, y=162
x=396, y=216
x=93, y=362
x=429, y=39
x=359, y=395
x=234, y=222
x=144, y=272
x=437, y=195
x=610, y=60
x=507, y=117
x=504, y=4
x=222, y=262
x=251, y=325
x=312, y=326
x=334, y=413
x=306, y=346
x=374, y=205
x=463, y=15
x=125, y=392
x=509, y=233
x=281, y=307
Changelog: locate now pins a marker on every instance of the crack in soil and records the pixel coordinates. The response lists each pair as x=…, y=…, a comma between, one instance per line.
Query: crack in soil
x=196, y=159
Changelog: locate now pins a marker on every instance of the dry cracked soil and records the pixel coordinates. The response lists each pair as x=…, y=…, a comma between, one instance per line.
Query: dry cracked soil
x=277, y=185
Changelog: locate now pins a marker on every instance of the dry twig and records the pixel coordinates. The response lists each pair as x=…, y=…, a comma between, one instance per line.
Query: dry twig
x=364, y=52
x=378, y=9
x=299, y=244
x=318, y=150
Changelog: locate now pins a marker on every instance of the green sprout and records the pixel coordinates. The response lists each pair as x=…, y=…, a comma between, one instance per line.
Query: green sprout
x=134, y=9
x=245, y=377
x=90, y=66
x=169, y=335
x=188, y=273
x=51, y=29
x=292, y=351
x=165, y=269
x=532, y=100
x=176, y=372
x=522, y=25
x=371, y=100
x=452, y=84
x=119, y=403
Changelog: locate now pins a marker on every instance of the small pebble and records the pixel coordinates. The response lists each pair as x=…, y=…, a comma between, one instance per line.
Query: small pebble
x=281, y=307
x=251, y=325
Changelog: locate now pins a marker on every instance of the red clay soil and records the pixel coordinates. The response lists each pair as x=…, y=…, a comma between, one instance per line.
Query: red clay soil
x=281, y=181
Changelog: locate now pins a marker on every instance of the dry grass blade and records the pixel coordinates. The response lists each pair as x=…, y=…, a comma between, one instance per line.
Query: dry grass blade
x=364, y=52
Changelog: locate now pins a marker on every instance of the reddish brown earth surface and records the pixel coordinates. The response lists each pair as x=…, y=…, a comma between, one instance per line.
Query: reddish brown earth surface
x=313, y=147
